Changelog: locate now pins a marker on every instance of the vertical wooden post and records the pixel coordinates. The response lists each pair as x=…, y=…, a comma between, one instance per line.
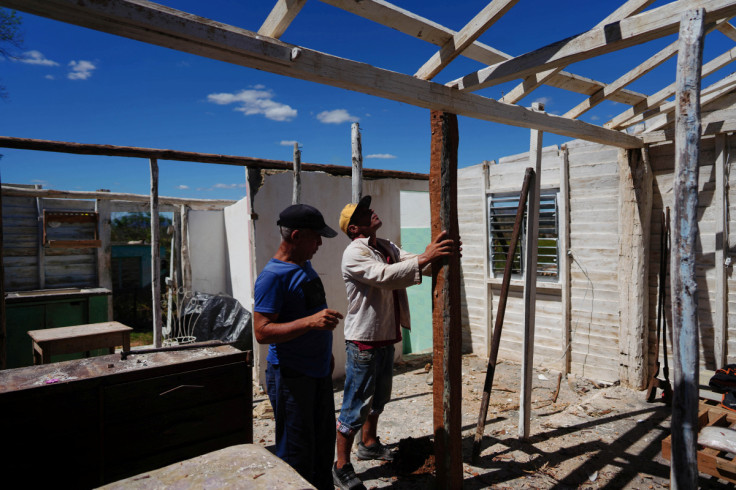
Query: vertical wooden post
x=186, y=267
x=296, y=196
x=530, y=280
x=155, y=258
x=564, y=259
x=720, y=324
x=104, y=252
x=172, y=281
x=447, y=396
x=357, y=148
x=3, y=327
x=635, y=212
x=684, y=467
x=41, y=255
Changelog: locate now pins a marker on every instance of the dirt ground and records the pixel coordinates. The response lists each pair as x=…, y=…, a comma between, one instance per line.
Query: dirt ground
x=592, y=437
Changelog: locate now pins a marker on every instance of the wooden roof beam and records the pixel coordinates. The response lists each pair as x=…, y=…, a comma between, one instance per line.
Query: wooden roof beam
x=634, y=115
x=164, y=26
x=638, y=29
x=532, y=82
x=641, y=70
x=190, y=156
x=281, y=16
x=712, y=93
x=464, y=38
x=396, y=18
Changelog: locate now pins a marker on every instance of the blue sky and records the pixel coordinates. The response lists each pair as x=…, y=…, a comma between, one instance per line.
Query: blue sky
x=79, y=85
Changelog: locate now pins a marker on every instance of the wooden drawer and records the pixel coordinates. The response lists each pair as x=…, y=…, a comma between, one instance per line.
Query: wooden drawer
x=143, y=399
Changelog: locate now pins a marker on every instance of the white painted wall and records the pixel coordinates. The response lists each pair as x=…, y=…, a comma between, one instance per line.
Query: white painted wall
x=208, y=252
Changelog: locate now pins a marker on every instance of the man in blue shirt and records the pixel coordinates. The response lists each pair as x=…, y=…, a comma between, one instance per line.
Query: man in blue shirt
x=291, y=315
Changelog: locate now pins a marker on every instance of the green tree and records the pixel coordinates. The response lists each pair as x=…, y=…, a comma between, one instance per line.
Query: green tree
x=137, y=227
x=10, y=37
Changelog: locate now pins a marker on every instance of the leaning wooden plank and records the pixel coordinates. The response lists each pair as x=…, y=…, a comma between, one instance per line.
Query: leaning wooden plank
x=684, y=468
x=281, y=16
x=625, y=118
x=464, y=38
x=532, y=82
x=635, y=30
x=389, y=15
x=189, y=156
x=728, y=30
x=164, y=26
x=155, y=259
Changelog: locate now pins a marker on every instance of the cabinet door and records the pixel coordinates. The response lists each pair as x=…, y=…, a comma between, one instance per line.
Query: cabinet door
x=19, y=320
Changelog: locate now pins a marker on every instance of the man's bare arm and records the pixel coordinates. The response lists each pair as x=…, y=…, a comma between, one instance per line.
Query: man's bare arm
x=268, y=331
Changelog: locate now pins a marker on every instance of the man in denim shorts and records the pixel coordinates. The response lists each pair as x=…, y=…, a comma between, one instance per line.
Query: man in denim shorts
x=376, y=274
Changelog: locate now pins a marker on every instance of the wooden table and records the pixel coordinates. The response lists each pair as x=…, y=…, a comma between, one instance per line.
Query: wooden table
x=79, y=338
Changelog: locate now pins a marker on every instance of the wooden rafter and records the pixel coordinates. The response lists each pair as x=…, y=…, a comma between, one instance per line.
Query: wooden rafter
x=413, y=25
x=532, y=82
x=464, y=38
x=281, y=16
x=631, y=115
x=164, y=26
x=638, y=29
x=708, y=95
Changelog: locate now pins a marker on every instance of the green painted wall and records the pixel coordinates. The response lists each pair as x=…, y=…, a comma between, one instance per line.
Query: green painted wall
x=419, y=339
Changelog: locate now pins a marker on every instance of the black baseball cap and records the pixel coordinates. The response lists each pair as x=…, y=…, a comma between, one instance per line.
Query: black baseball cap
x=305, y=216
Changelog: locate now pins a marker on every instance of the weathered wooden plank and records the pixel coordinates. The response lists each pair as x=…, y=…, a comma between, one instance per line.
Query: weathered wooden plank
x=684, y=464
x=356, y=147
x=464, y=38
x=281, y=16
x=447, y=389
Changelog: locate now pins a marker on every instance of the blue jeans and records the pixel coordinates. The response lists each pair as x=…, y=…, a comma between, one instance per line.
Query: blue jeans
x=304, y=410
x=368, y=378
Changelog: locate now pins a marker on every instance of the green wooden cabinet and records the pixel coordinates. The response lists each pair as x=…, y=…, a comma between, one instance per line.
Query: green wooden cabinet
x=50, y=308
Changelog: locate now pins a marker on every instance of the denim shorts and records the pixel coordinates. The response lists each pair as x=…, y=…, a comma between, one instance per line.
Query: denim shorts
x=368, y=378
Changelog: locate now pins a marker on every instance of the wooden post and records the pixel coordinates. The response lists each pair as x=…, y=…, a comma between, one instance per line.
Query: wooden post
x=104, y=252
x=155, y=258
x=635, y=212
x=41, y=255
x=357, y=147
x=296, y=196
x=3, y=328
x=447, y=389
x=529, y=179
x=530, y=280
x=172, y=282
x=565, y=259
x=186, y=267
x=684, y=467
x=720, y=324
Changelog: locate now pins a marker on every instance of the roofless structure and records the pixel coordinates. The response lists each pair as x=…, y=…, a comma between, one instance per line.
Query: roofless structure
x=649, y=119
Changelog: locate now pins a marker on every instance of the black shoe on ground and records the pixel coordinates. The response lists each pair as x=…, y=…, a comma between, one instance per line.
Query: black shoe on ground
x=345, y=478
x=374, y=451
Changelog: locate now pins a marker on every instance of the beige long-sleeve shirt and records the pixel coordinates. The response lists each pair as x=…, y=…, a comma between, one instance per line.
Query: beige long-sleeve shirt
x=370, y=282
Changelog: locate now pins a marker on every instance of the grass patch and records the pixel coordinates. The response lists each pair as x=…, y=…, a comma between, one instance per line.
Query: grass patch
x=141, y=338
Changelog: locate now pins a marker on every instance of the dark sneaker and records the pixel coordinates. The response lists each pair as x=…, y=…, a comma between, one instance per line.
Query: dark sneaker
x=345, y=478
x=374, y=451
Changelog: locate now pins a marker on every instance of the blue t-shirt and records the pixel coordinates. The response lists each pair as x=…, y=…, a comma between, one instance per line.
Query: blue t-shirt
x=295, y=292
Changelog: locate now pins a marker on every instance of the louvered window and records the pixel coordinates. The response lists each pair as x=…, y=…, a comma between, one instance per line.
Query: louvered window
x=501, y=216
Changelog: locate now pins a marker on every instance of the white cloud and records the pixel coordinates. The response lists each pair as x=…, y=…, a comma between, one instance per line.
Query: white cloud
x=288, y=142
x=337, y=116
x=594, y=118
x=81, y=70
x=381, y=155
x=255, y=101
x=182, y=186
x=50, y=77
x=36, y=58
x=228, y=186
